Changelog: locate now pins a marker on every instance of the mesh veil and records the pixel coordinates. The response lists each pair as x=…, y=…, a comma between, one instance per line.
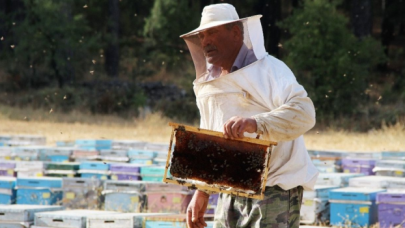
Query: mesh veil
x=253, y=39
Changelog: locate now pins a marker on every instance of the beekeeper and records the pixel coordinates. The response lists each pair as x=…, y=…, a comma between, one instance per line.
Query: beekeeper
x=243, y=91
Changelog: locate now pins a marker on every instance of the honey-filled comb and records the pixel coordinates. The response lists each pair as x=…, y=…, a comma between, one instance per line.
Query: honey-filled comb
x=204, y=159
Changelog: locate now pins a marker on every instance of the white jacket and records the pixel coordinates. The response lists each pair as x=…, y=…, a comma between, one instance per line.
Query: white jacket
x=267, y=91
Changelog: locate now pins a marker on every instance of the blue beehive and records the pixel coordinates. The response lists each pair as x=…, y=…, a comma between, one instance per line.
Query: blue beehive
x=65, y=143
x=137, y=156
x=7, y=191
x=56, y=154
x=393, y=155
x=27, y=153
x=124, y=196
x=93, y=144
x=153, y=173
x=98, y=170
x=355, y=207
x=39, y=191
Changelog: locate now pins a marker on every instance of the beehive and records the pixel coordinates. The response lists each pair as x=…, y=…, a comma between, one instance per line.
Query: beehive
x=204, y=159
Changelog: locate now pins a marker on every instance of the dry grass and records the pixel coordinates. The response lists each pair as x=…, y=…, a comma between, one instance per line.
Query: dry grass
x=72, y=126
x=388, y=138
x=154, y=128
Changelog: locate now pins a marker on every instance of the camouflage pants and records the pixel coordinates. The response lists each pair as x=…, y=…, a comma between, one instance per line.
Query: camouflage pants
x=278, y=209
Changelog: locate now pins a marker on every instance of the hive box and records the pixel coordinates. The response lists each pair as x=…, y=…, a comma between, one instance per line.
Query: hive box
x=314, y=211
x=124, y=196
x=6, y=153
x=391, y=209
x=152, y=173
x=39, y=191
x=336, y=179
x=7, y=191
x=353, y=206
x=331, y=154
x=393, y=155
x=22, y=214
x=371, y=181
x=56, y=154
x=212, y=204
x=93, y=144
x=127, y=144
x=65, y=143
x=392, y=168
x=30, y=169
x=85, y=154
x=81, y=193
x=358, y=165
x=7, y=168
x=27, y=153
x=315, y=206
x=173, y=221
x=98, y=170
x=71, y=219
x=160, y=159
x=326, y=166
x=366, y=155
x=121, y=220
x=138, y=156
x=113, y=155
x=62, y=169
x=157, y=146
x=122, y=171
x=167, y=198
x=396, y=184
x=27, y=140
x=320, y=191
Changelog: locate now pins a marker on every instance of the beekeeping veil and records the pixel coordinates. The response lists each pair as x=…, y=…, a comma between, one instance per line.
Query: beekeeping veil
x=217, y=15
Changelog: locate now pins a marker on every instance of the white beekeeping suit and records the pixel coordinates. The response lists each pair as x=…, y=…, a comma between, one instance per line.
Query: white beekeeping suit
x=265, y=90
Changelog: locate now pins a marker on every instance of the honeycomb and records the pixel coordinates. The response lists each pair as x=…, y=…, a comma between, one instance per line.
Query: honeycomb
x=216, y=160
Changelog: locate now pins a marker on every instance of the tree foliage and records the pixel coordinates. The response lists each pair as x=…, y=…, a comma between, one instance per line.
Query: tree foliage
x=332, y=64
x=49, y=44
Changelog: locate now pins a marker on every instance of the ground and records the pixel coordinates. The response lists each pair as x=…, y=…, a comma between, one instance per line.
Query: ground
x=154, y=128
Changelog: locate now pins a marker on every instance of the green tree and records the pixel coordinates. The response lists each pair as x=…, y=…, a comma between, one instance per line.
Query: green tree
x=332, y=64
x=51, y=44
x=167, y=21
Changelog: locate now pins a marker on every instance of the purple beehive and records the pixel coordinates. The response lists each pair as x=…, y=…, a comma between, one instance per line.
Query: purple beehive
x=391, y=209
x=358, y=165
x=7, y=168
x=124, y=171
x=212, y=204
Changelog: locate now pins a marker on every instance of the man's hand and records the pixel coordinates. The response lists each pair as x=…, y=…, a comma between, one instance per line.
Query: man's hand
x=196, y=210
x=236, y=126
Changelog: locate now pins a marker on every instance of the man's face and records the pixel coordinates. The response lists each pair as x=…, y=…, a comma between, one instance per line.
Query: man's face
x=218, y=44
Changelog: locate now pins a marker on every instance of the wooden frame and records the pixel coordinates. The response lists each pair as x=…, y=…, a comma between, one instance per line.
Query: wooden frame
x=212, y=188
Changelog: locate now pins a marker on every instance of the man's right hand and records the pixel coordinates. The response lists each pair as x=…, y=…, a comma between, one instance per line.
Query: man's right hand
x=196, y=210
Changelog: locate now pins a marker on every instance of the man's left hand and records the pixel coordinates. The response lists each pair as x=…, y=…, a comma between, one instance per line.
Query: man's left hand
x=236, y=126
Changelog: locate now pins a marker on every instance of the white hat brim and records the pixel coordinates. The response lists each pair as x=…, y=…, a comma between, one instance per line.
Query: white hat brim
x=214, y=24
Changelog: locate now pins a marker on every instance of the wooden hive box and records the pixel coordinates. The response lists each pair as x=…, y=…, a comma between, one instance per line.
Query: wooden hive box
x=205, y=160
